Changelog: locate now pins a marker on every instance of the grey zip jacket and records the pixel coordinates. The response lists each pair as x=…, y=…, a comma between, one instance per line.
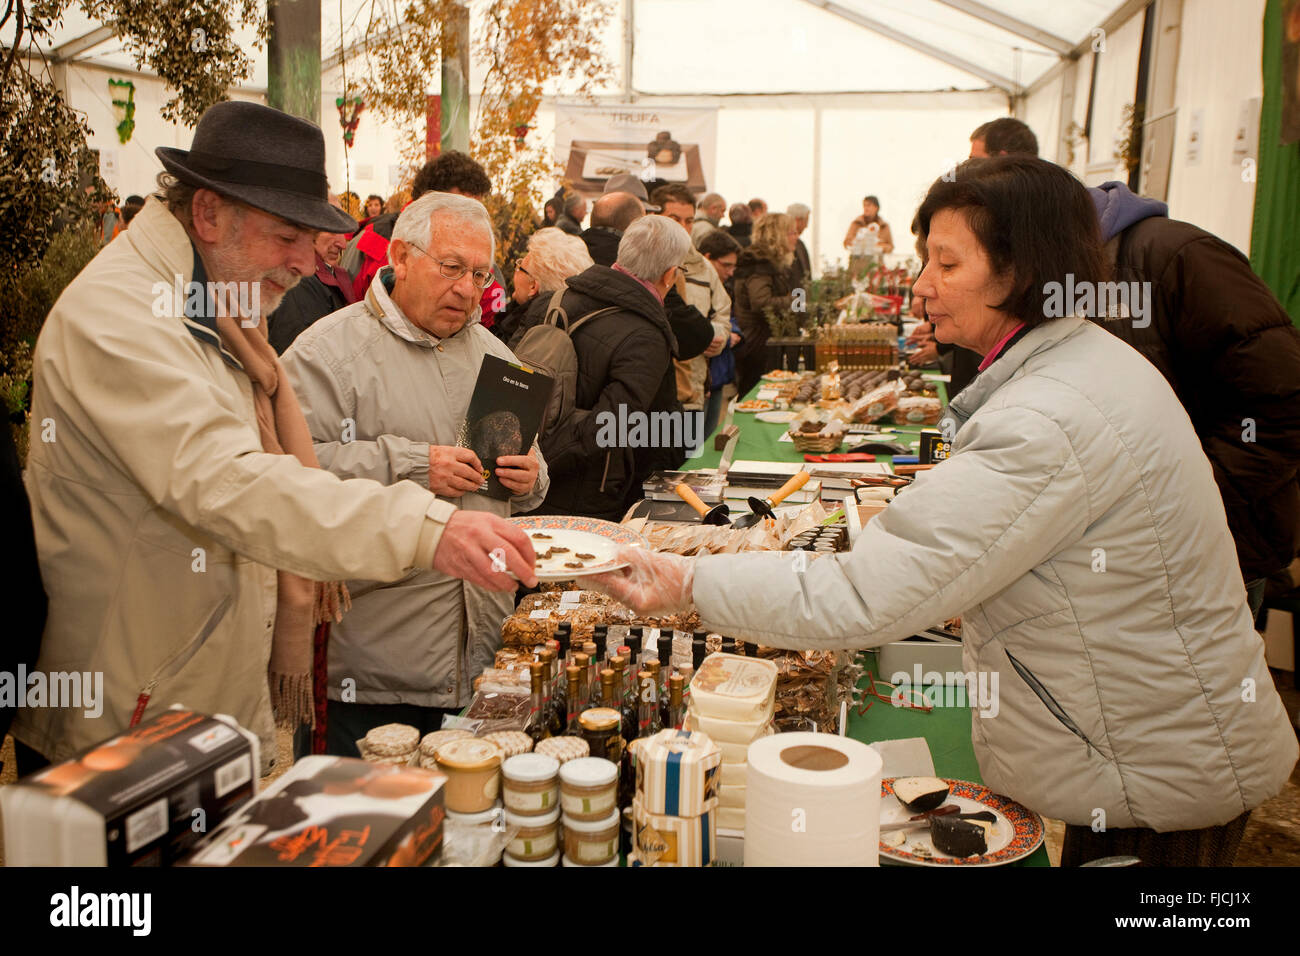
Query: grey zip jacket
x=422, y=639
x=1078, y=531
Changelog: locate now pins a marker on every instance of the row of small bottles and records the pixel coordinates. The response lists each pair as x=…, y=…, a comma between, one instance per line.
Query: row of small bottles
x=567, y=681
x=599, y=704
x=869, y=345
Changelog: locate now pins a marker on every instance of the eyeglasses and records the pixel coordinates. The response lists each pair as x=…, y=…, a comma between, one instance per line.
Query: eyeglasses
x=519, y=267
x=454, y=270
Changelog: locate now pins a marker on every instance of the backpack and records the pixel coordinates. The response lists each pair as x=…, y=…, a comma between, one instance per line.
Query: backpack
x=548, y=348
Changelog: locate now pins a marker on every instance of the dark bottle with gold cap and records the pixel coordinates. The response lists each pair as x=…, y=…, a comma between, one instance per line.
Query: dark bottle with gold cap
x=593, y=673
x=554, y=715
x=536, y=726
x=676, y=708
x=647, y=716
x=608, y=697
x=661, y=692
x=573, y=674
x=584, y=682
x=618, y=663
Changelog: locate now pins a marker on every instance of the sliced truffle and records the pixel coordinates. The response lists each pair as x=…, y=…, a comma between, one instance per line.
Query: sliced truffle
x=919, y=794
x=538, y=535
x=585, y=557
x=574, y=564
x=958, y=837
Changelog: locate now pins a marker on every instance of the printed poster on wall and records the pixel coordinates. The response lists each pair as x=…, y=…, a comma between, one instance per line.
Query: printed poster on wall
x=669, y=143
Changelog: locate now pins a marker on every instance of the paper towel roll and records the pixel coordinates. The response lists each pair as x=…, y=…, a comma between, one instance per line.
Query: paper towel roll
x=812, y=800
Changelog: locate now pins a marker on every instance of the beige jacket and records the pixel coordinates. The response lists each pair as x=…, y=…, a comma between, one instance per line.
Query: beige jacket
x=704, y=291
x=158, y=516
x=397, y=390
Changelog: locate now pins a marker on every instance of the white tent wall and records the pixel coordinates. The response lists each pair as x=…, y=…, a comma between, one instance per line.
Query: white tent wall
x=894, y=151
x=1218, y=70
x=1212, y=193
x=1041, y=111
x=87, y=90
x=1116, y=88
x=890, y=144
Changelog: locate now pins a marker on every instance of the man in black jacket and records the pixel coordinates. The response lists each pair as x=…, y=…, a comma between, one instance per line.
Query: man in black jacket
x=1228, y=348
x=315, y=296
x=611, y=214
x=600, y=454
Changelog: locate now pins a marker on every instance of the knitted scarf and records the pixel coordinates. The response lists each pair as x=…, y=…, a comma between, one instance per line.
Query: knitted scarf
x=301, y=604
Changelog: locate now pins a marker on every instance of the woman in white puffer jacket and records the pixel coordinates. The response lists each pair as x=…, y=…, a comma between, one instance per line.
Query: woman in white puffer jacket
x=1076, y=529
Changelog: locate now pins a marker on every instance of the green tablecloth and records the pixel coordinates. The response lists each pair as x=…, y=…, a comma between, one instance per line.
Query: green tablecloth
x=946, y=729
x=760, y=441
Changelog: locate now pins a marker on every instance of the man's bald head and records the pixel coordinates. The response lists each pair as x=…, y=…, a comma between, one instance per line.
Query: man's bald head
x=616, y=211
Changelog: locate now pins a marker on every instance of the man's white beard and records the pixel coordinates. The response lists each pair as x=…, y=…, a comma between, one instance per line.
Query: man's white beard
x=231, y=264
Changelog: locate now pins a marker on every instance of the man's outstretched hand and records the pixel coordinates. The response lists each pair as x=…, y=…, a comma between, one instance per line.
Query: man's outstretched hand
x=481, y=548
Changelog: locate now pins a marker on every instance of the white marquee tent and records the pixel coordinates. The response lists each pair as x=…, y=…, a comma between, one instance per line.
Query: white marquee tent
x=823, y=101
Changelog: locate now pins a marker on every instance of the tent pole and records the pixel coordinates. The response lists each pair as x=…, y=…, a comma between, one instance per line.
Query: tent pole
x=814, y=255
x=629, y=29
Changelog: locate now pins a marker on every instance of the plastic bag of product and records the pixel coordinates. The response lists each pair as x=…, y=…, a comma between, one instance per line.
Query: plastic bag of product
x=505, y=678
x=918, y=410
x=475, y=844
x=876, y=404
x=500, y=707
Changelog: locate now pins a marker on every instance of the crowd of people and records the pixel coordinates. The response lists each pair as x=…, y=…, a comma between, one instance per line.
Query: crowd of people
x=221, y=491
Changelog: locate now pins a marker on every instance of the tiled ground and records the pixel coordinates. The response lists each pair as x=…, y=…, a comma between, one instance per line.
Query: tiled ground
x=1272, y=836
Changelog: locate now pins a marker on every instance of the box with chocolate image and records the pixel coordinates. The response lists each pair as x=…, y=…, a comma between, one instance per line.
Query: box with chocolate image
x=335, y=811
x=134, y=799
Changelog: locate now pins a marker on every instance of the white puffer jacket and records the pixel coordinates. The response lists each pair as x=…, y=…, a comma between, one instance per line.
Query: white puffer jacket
x=1139, y=690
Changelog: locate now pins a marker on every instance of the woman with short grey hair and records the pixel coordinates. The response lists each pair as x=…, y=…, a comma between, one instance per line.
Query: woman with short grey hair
x=553, y=256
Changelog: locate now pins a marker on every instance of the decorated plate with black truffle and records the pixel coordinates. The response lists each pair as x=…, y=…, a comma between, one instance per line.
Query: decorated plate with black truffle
x=570, y=547
x=953, y=823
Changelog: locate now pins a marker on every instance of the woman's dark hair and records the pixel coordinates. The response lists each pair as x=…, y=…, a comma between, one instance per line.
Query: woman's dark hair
x=718, y=244
x=1035, y=221
x=373, y=196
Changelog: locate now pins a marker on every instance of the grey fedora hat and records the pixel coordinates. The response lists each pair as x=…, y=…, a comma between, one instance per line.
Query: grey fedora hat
x=627, y=183
x=255, y=154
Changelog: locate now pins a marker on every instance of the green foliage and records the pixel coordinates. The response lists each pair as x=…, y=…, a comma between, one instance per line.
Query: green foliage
x=25, y=300
x=820, y=307
x=50, y=188
x=190, y=44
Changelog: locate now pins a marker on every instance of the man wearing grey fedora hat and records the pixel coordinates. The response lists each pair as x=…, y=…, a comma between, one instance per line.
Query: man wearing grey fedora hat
x=182, y=521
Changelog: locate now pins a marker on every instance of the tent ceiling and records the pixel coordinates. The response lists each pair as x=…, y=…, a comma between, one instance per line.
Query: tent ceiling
x=685, y=47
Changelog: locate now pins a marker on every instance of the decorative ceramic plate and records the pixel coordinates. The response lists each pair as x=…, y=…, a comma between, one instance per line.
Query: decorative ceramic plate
x=1017, y=833
x=776, y=418
x=589, y=543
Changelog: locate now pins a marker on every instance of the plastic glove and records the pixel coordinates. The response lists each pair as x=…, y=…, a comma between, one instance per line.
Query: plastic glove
x=653, y=584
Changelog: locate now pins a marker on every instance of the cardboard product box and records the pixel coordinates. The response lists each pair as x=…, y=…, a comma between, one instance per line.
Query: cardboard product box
x=143, y=798
x=335, y=811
